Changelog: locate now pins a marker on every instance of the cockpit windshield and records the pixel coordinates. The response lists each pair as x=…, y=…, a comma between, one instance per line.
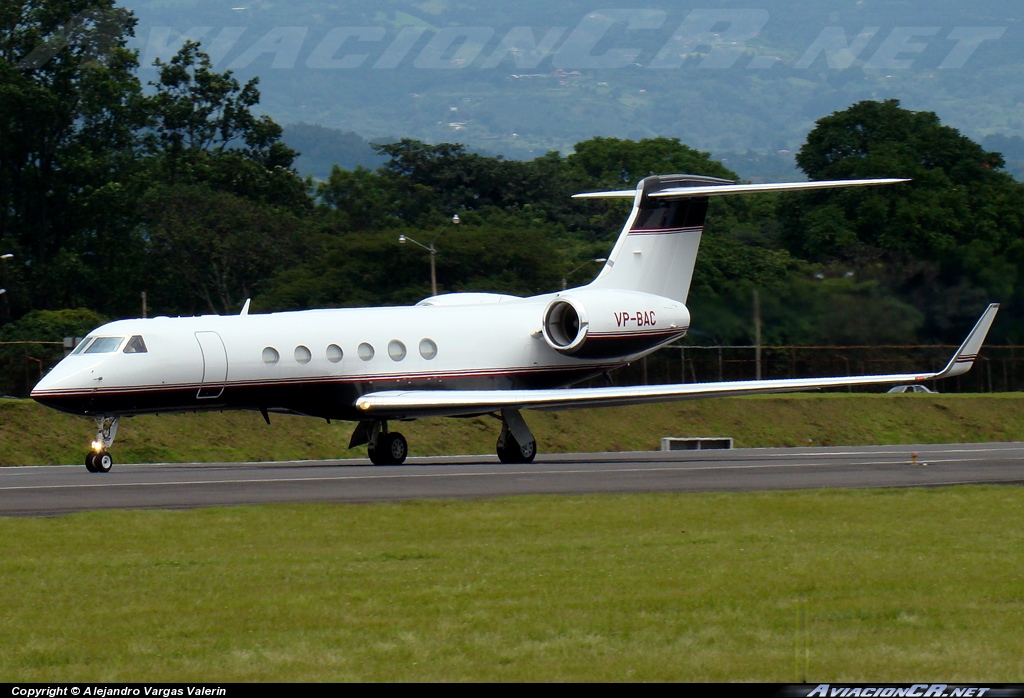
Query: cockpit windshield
x=103, y=345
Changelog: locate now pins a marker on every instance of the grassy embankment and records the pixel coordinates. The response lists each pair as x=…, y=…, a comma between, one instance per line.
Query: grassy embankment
x=893, y=585
x=33, y=434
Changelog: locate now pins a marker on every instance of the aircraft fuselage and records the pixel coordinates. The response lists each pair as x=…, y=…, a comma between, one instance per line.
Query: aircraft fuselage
x=318, y=362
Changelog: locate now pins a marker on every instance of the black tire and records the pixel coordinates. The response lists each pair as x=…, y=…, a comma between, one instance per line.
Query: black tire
x=396, y=448
x=377, y=456
x=512, y=452
x=392, y=449
x=89, y=458
x=102, y=462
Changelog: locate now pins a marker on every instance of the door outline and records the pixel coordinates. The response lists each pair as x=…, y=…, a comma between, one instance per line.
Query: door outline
x=215, y=365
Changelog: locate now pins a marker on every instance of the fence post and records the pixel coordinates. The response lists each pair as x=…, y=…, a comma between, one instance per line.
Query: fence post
x=757, y=333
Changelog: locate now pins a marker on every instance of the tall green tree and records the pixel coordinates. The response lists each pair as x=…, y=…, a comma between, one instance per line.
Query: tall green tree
x=210, y=250
x=205, y=131
x=957, y=224
x=70, y=111
x=618, y=162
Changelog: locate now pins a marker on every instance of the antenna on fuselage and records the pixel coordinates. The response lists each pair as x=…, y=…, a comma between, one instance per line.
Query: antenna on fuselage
x=245, y=308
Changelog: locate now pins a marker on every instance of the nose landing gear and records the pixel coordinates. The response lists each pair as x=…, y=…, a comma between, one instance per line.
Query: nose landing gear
x=98, y=460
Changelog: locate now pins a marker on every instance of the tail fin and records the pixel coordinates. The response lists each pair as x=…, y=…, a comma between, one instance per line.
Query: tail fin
x=657, y=248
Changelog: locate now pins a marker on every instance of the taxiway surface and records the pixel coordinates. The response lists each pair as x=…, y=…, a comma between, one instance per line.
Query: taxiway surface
x=50, y=490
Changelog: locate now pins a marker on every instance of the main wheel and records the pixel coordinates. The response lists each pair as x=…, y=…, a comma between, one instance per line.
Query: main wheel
x=377, y=455
x=512, y=452
x=396, y=448
x=90, y=458
x=391, y=449
x=102, y=462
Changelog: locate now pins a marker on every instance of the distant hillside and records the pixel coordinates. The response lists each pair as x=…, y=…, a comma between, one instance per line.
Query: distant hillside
x=321, y=148
x=1012, y=148
x=762, y=167
x=526, y=77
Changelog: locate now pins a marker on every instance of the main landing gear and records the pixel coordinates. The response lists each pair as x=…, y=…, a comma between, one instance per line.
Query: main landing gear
x=516, y=444
x=384, y=447
x=98, y=460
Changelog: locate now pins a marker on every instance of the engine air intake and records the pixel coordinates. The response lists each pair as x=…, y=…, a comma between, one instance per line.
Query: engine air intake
x=565, y=325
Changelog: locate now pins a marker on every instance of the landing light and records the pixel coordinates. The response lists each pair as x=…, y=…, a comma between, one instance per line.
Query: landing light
x=363, y=405
x=97, y=446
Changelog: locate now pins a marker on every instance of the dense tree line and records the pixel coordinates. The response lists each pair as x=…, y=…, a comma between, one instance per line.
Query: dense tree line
x=109, y=188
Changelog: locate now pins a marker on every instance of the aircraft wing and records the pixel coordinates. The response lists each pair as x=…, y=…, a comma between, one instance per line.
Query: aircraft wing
x=452, y=403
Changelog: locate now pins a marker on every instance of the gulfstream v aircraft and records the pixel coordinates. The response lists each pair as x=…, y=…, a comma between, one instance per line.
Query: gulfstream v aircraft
x=453, y=355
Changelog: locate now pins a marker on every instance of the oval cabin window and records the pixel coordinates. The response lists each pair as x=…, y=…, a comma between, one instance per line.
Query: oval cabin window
x=334, y=353
x=302, y=354
x=270, y=356
x=428, y=350
x=396, y=350
x=365, y=351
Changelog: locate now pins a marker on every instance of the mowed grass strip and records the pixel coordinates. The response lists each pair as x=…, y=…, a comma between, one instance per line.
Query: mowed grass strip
x=33, y=434
x=895, y=585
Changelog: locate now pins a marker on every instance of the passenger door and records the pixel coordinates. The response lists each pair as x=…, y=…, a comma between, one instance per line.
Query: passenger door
x=215, y=365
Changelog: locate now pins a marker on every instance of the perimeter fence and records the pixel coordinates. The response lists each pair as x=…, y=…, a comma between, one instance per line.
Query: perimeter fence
x=999, y=368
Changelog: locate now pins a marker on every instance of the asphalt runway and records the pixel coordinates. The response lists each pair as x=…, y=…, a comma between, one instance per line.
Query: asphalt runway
x=60, y=489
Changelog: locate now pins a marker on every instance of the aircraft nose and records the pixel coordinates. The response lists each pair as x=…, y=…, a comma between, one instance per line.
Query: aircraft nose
x=46, y=384
x=64, y=388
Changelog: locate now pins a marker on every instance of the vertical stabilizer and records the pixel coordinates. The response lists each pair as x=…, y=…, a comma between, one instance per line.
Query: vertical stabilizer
x=657, y=249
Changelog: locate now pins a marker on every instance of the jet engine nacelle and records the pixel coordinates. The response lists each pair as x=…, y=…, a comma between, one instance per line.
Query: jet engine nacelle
x=592, y=323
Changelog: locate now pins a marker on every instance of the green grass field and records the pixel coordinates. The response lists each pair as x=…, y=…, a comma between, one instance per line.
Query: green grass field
x=31, y=433
x=889, y=585
x=894, y=585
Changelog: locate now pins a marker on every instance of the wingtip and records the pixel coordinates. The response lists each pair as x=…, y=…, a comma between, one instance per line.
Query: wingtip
x=966, y=355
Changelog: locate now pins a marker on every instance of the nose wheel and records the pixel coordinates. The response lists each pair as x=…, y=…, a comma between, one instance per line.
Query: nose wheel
x=98, y=460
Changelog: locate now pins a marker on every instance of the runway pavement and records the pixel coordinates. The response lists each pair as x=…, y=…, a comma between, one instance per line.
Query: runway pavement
x=58, y=489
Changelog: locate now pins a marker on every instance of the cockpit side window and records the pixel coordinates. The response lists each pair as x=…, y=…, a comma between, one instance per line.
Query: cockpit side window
x=82, y=345
x=135, y=345
x=104, y=345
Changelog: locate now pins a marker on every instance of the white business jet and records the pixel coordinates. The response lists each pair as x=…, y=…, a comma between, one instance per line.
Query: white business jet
x=452, y=355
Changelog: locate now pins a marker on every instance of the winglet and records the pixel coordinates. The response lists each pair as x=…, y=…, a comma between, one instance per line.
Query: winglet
x=964, y=358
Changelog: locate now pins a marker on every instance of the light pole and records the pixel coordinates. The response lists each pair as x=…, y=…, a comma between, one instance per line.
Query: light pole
x=565, y=279
x=432, y=250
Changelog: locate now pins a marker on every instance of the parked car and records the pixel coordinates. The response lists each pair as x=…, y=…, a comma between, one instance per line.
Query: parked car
x=912, y=389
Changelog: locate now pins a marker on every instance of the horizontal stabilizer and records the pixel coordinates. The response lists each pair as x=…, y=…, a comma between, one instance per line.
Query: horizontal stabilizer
x=729, y=189
x=450, y=403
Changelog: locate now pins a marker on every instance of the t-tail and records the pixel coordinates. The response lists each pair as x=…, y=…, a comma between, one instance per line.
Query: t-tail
x=657, y=248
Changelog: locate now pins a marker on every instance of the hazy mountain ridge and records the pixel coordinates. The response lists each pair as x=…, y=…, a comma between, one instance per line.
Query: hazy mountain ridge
x=489, y=88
